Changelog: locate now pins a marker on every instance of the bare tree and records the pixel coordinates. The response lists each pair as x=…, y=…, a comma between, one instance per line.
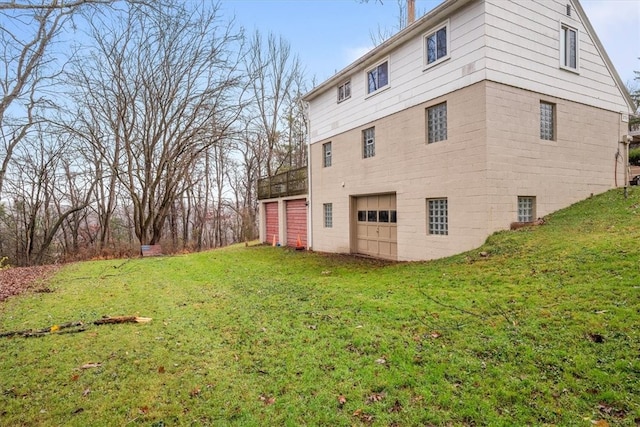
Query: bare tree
x=23, y=72
x=273, y=72
x=42, y=196
x=170, y=83
x=28, y=66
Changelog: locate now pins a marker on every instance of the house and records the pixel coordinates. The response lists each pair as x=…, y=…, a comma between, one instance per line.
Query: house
x=480, y=114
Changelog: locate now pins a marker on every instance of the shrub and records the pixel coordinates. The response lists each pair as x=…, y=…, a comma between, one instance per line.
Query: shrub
x=634, y=156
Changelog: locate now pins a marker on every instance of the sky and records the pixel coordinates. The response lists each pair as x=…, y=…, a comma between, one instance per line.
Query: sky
x=328, y=35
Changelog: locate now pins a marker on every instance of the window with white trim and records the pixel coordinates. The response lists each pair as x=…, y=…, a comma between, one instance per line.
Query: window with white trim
x=369, y=142
x=344, y=91
x=526, y=208
x=377, y=77
x=437, y=216
x=547, y=121
x=436, y=45
x=568, y=47
x=437, y=123
x=326, y=154
x=328, y=214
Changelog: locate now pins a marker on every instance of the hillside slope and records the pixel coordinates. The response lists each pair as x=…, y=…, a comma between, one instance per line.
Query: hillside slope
x=540, y=329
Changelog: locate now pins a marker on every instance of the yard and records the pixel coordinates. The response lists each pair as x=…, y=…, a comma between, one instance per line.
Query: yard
x=540, y=326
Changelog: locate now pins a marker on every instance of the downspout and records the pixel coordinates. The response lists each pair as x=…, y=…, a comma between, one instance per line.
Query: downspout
x=309, y=186
x=626, y=140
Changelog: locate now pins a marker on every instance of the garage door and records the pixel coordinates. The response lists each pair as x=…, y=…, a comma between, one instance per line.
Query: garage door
x=271, y=217
x=376, y=226
x=296, y=222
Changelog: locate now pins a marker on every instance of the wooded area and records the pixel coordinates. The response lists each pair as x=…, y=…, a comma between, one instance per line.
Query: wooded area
x=127, y=123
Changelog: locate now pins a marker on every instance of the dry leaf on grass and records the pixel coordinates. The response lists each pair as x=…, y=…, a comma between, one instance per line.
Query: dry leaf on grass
x=376, y=397
x=267, y=400
x=16, y=280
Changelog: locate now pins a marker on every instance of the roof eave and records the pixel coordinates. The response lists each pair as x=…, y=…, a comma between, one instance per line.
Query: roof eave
x=439, y=13
x=605, y=56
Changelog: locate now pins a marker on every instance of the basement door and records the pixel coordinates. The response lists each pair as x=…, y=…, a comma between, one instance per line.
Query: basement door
x=376, y=226
x=296, y=211
x=271, y=219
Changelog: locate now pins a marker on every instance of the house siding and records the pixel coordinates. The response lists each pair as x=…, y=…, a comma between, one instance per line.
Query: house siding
x=580, y=161
x=406, y=165
x=492, y=155
x=523, y=40
x=409, y=83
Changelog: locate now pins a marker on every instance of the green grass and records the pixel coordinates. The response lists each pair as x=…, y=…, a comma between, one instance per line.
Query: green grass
x=543, y=331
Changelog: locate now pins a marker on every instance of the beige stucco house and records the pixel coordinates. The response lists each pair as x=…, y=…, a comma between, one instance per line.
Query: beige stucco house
x=480, y=114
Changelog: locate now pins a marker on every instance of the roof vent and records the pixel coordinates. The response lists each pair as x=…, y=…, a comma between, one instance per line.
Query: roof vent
x=568, y=10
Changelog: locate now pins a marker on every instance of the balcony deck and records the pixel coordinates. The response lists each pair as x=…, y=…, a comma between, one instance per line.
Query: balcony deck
x=290, y=183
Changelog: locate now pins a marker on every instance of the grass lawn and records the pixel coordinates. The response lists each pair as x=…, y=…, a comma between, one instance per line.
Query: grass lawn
x=542, y=331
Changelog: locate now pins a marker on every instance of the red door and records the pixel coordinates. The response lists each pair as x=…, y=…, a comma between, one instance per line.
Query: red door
x=271, y=214
x=296, y=222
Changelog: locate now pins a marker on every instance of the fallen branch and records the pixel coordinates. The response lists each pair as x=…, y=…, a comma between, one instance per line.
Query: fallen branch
x=122, y=319
x=73, y=327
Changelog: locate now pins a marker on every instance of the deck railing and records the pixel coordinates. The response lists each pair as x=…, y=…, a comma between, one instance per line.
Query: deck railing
x=290, y=183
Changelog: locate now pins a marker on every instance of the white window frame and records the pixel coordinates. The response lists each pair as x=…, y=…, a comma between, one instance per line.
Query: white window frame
x=430, y=124
x=327, y=154
x=366, y=78
x=342, y=91
x=425, y=37
x=435, y=225
x=564, y=44
x=526, y=208
x=368, y=144
x=327, y=210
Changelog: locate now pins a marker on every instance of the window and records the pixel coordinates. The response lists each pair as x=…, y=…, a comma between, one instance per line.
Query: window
x=568, y=47
x=326, y=154
x=377, y=216
x=328, y=214
x=369, y=142
x=526, y=208
x=437, y=123
x=547, y=121
x=436, y=44
x=344, y=91
x=378, y=77
x=437, y=219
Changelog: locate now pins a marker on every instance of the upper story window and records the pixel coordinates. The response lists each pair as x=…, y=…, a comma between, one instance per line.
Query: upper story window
x=437, y=123
x=344, y=91
x=436, y=45
x=547, y=121
x=369, y=142
x=377, y=77
x=326, y=154
x=568, y=47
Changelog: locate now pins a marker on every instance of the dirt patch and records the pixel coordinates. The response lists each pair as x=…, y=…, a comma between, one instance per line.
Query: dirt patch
x=15, y=281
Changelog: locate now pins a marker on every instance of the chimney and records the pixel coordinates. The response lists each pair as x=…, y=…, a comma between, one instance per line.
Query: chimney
x=411, y=11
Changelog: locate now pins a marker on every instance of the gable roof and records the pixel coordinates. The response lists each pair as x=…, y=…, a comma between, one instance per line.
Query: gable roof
x=434, y=17
x=603, y=53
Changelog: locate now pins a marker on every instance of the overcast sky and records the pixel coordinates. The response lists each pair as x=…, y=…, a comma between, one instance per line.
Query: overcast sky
x=330, y=34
